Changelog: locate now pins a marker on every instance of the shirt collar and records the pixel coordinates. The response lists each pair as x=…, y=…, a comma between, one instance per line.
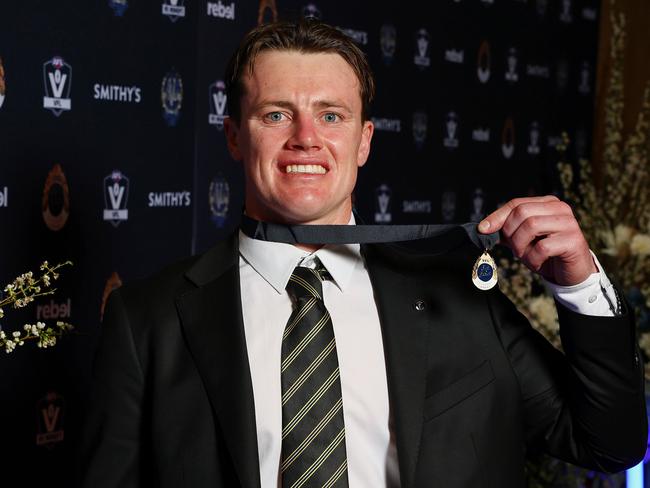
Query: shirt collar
x=275, y=261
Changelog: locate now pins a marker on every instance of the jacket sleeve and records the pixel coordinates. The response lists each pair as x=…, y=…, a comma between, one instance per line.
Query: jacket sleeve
x=110, y=454
x=586, y=406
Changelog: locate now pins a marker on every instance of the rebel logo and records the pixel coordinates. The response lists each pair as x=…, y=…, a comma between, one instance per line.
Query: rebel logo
x=54, y=310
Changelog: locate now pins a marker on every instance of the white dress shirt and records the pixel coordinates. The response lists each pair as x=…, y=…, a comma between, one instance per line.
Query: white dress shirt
x=265, y=268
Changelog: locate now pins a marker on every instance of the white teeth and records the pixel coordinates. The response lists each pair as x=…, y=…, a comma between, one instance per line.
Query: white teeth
x=306, y=168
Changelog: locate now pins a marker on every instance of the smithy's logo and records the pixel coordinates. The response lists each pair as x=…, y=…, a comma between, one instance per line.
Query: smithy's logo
x=2, y=83
x=57, y=75
x=50, y=413
x=219, y=200
x=173, y=9
x=218, y=101
x=171, y=96
x=483, y=63
x=116, y=195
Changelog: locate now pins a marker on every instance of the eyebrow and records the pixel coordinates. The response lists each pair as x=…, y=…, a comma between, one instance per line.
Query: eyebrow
x=321, y=104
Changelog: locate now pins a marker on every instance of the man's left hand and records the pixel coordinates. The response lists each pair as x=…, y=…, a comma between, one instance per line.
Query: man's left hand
x=544, y=234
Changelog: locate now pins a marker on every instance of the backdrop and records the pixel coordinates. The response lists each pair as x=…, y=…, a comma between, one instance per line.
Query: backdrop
x=112, y=150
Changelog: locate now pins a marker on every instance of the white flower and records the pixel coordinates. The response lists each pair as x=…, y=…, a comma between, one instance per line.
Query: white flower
x=2, y=313
x=618, y=241
x=40, y=325
x=46, y=280
x=16, y=334
x=640, y=245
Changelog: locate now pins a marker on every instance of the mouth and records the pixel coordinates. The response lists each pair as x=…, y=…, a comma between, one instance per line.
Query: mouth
x=315, y=169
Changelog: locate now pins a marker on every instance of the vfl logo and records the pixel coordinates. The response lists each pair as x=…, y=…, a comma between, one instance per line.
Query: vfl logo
x=483, y=69
x=451, y=127
x=382, y=207
x=57, y=76
x=219, y=200
x=448, y=206
x=56, y=199
x=2, y=84
x=173, y=9
x=218, y=101
x=585, y=75
x=533, y=147
x=388, y=42
x=310, y=11
x=477, y=206
x=421, y=57
x=565, y=15
x=420, y=122
x=562, y=75
x=171, y=95
x=541, y=6
x=267, y=5
x=508, y=138
x=118, y=6
x=511, y=74
x=116, y=195
x=50, y=413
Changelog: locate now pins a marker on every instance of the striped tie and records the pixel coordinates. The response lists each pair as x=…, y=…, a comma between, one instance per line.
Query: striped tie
x=313, y=432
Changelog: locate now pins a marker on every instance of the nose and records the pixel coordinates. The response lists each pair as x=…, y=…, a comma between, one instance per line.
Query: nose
x=305, y=135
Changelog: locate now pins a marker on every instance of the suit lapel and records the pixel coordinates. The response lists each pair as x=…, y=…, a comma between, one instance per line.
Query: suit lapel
x=212, y=322
x=404, y=333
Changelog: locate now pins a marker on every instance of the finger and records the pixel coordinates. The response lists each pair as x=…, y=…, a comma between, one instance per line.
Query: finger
x=531, y=214
x=576, y=262
x=494, y=221
x=533, y=228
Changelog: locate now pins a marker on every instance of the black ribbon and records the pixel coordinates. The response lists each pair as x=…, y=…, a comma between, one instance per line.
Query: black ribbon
x=363, y=234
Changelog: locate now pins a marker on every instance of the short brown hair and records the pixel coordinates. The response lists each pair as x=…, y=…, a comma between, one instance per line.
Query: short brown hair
x=305, y=36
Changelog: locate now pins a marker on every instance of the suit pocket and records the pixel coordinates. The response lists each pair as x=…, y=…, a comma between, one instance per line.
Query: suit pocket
x=459, y=390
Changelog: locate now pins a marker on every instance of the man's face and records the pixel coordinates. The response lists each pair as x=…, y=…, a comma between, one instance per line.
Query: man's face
x=300, y=137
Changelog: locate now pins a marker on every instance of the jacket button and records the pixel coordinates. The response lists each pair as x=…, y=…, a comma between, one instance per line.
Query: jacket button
x=420, y=305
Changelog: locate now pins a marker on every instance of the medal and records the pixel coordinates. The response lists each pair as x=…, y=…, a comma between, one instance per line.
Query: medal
x=484, y=274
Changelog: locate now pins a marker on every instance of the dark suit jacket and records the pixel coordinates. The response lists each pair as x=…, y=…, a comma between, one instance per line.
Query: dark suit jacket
x=472, y=387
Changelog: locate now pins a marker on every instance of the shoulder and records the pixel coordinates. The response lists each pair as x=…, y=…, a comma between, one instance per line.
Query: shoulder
x=161, y=288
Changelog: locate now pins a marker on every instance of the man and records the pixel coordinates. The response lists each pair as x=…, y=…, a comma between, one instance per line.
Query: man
x=434, y=382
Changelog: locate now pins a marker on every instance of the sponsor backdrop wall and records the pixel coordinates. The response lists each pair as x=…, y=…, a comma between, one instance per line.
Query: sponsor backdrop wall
x=112, y=150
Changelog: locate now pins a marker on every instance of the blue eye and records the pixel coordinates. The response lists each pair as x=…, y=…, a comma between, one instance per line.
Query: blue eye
x=275, y=116
x=331, y=117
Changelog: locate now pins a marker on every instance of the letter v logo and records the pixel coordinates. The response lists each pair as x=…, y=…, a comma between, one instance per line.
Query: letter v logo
x=57, y=82
x=219, y=102
x=115, y=193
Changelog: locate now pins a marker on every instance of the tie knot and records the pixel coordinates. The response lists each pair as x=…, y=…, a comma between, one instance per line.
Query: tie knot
x=305, y=283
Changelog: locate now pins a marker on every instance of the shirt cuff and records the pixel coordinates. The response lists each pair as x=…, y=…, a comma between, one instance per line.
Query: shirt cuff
x=595, y=296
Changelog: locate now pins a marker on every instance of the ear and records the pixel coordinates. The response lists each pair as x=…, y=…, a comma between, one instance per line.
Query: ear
x=231, y=129
x=364, y=147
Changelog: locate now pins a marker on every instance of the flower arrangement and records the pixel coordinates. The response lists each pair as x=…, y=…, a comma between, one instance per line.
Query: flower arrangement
x=20, y=293
x=614, y=214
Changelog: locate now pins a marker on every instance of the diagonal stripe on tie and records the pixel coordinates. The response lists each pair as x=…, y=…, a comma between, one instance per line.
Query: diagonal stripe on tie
x=313, y=427
x=336, y=442
x=310, y=369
